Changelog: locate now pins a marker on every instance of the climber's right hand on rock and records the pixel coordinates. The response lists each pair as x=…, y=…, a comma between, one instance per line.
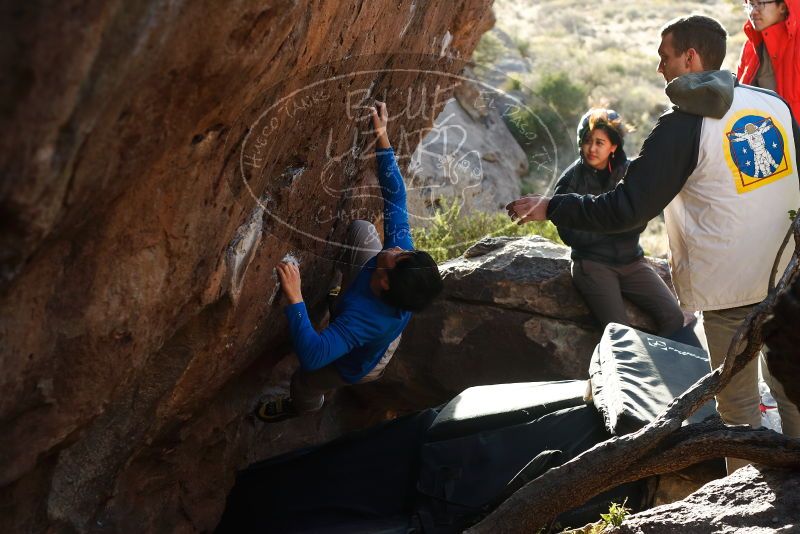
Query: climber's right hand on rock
x=289, y=275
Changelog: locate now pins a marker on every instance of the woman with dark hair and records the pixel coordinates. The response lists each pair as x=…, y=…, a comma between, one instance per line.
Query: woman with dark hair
x=771, y=55
x=606, y=267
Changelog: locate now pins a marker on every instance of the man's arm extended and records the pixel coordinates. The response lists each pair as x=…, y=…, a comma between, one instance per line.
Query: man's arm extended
x=668, y=157
x=396, y=230
x=574, y=238
x=314, y=350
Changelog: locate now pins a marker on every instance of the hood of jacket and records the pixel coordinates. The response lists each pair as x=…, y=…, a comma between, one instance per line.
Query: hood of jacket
x=708, y=93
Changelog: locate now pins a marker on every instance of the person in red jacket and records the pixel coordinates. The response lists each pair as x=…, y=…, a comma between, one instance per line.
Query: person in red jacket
x=771, y=55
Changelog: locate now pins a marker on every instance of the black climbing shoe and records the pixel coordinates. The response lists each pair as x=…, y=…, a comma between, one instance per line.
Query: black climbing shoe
x=272, y=410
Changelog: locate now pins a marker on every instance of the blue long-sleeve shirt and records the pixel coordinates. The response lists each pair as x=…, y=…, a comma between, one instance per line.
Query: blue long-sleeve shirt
x=363, y=325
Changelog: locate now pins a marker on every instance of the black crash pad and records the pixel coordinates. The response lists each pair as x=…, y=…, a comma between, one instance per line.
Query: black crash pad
x=362, y=482
x=635, y=375
x=462, y=479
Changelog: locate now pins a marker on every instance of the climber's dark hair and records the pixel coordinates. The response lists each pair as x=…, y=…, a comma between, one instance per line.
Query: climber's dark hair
x=704, y=34
x=413, y=282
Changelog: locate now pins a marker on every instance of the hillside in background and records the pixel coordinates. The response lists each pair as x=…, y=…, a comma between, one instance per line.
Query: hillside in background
x=606, y=51
x=561, y=57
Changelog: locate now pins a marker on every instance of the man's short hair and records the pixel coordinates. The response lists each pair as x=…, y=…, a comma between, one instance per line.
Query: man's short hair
x=704, y=34
x=413, y=282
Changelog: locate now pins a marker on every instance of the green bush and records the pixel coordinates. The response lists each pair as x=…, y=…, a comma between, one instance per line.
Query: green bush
x=542, y=134
x=567, y=97
x=513, y=84
x=450, y=233
x=545, y=124
x=522, y=45
x=616, y=514
x=489, y=49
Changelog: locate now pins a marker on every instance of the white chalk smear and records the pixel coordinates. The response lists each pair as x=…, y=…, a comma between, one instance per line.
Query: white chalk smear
x=289, y=258
x=446, y=40
x=412, y=8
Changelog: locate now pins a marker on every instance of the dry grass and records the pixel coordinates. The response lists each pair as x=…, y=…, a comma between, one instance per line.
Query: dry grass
x=608, y=51
x=609, y=47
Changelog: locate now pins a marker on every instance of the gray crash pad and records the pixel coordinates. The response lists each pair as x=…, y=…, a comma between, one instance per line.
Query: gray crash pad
x=635, y=375
x=489, y=407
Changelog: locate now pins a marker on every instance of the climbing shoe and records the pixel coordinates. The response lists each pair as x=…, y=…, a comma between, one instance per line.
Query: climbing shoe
x=272, y=410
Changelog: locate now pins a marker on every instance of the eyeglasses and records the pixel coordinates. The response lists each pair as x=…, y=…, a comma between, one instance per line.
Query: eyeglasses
x=749, y=7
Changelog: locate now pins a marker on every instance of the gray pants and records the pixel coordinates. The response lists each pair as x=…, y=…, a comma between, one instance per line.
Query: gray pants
x=603, y=287
x=308, y=388
x=738, y=403
x=362, y=243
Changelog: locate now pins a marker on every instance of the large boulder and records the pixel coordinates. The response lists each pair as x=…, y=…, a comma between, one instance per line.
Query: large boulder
x=508, y=313
x=469, y=159
x=752, y=499
x=158, y=159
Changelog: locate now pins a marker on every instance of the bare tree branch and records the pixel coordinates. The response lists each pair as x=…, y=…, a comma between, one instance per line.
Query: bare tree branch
x=776, y=263
x=659, y=447
x=711, y=439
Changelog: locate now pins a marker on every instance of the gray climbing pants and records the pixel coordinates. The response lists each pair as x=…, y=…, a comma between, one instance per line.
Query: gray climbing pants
x=603, y=286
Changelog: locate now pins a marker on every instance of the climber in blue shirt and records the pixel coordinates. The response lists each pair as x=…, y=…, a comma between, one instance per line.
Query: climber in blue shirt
x=381, y=286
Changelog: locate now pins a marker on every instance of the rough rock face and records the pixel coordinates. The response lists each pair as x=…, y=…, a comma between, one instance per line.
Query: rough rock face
x=158, y=159
x=508, y=313
x=469, y=157
x=753, y=500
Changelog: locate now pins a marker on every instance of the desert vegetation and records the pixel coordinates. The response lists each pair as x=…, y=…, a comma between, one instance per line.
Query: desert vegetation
x=560, y=57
